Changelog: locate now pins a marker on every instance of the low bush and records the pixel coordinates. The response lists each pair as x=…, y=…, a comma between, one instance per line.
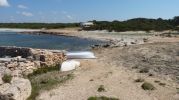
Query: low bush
x=156, y=81
x=144, y=70
x=102, y=98
x=162, y=84
x=147, y=86
x=45, y=79
x=7, y=78
x=101, y=88
x=45, y=69
x=139, y=80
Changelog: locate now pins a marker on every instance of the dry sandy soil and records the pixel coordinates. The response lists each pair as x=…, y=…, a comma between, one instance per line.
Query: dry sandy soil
x=118, y=68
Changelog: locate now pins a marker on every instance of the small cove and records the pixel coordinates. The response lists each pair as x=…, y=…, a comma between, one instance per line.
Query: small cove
x=46, y=41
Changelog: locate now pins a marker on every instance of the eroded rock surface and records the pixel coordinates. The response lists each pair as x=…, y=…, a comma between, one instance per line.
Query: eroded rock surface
x=19, y=88
x=17, y=62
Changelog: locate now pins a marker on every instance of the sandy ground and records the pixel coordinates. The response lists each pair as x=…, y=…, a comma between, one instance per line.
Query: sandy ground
x=112, y=70
x=117, y=79
x=129, y=36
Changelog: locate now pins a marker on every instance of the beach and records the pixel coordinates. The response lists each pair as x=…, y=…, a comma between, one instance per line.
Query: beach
x=117, y=69
x=128, y=60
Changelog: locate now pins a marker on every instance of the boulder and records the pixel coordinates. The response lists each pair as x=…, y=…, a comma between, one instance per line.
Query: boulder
x=24, y=86
x=19, y=88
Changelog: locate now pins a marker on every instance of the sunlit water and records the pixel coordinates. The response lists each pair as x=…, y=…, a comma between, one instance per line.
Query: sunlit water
x=46, y=41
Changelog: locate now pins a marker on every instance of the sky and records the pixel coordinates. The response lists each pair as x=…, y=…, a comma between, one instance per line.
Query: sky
x=67, y=11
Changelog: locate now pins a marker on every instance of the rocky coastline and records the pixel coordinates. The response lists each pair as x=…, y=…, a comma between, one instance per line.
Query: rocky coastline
x=17, y=62
x=112, y=39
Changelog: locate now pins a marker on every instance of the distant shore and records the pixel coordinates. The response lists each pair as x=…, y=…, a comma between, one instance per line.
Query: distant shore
x=127, y=37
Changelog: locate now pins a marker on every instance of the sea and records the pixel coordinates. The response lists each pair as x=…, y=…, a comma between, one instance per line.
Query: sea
x=46, y=41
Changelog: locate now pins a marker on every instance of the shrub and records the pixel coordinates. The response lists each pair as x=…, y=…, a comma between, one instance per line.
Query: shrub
x=91, y=80
x=7, y=78
x=162, y=84
x=144, y=70
x=147, y=86
x=177, y=90
x=151, y=74
x=101, y=88
x=45, y=79
x=102, y=98
x=178, y=53
x=44, y=70
x=156, y=81
x=139, y=80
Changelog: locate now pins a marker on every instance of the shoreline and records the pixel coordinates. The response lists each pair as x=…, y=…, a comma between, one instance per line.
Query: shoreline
x=112, y=39
x=123, y=63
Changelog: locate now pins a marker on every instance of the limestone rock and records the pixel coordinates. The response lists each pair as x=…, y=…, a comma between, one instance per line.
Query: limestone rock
x=17, y=73
x=6, y=97
x=4, y=87
x=24, y=86
x=69, y=65
x=19, y=88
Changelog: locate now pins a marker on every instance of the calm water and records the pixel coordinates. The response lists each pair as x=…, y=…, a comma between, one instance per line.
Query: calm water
x=45, y=41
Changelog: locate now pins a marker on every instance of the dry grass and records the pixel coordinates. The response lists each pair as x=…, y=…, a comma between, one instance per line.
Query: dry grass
x=43, y=80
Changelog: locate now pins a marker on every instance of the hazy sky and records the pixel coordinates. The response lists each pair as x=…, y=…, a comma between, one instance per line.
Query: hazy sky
x=84, y=10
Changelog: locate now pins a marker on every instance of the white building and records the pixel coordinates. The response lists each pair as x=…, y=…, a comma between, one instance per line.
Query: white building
x=86, y=24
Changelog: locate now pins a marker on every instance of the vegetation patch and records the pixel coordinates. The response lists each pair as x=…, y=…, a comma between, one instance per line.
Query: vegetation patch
x=150, y=74
x=147, y=86
x=156, y=81
x=44, y=70
x=91, y=80
x=162, y=84
x=46, y=79
x=102, y=98
x=39, y=25
x=139, y=80
x=177, y=90
x=7, y=78
x=101, y=88
x=144, y=70
x=178, y=53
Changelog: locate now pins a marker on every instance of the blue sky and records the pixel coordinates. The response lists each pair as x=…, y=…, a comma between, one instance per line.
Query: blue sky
x=84, y=10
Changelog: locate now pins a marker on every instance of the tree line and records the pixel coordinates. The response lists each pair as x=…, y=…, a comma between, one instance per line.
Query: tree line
x=38, y=25
x=136, y=24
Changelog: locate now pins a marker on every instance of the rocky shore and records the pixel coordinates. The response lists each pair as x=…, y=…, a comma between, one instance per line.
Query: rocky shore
x=16, y=62
x=113, y=39
x=120, y=62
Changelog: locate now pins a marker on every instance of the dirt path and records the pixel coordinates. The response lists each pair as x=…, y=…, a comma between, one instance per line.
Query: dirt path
x=117, y=80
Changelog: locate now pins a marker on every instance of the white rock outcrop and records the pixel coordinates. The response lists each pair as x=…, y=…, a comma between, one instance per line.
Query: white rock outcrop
x=69, y=65
x=20, y=88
